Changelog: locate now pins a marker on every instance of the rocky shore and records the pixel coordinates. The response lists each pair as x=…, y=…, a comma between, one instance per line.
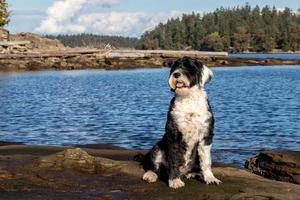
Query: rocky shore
x=108, y=172
x=70, y=59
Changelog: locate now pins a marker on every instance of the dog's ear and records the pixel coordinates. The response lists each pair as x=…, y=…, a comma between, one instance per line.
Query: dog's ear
x=170, y=63
x=207, y=75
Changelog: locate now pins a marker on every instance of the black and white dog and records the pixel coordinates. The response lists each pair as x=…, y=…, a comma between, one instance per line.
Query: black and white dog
x=189, y=128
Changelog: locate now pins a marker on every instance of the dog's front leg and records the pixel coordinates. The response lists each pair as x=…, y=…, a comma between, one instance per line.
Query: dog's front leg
x=174, y=178
x=174, y=168
x=204, y=152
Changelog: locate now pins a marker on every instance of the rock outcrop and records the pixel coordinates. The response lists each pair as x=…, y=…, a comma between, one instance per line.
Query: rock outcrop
x=71, y=59
x=77, y=159
x=47, y=172
x=4, y=34
x=38, y=42
x=24, y=43
x=277, y=165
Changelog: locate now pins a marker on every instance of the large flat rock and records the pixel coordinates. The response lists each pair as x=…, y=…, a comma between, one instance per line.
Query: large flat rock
x=22, y=177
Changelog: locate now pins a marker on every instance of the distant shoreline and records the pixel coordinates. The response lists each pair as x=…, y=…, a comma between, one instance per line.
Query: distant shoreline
x=271, y=52
x=71, y=59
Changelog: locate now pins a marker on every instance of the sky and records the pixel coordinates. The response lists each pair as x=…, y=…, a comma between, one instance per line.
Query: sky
x=112, y=17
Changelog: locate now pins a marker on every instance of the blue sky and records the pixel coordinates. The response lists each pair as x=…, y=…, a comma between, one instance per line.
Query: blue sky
x=112, y=17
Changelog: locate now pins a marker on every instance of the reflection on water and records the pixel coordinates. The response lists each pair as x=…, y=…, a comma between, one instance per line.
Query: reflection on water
x=255, y=108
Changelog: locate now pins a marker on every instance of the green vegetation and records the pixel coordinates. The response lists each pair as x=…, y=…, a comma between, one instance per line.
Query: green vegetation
x=97, y=41
x=238, y=29
x=4, y=14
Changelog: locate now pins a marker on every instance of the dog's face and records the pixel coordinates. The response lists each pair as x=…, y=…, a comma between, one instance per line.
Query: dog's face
x=187, y=73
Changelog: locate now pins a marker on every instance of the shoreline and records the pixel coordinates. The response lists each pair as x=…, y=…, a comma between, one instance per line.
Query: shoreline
x=72, y=59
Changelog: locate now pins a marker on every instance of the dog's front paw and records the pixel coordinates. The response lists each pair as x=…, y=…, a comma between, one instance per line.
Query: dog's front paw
x=191, y=175
x=176, y=183
x=212, y=180
x=150, y=177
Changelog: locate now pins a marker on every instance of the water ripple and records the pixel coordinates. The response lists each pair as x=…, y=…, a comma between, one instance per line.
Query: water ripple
x=255, y=108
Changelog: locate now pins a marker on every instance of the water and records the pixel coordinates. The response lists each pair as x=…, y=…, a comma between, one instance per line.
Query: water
x=255, y=108
x=267, y=55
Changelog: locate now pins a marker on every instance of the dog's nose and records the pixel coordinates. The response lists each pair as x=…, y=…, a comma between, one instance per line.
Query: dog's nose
x=176, y=75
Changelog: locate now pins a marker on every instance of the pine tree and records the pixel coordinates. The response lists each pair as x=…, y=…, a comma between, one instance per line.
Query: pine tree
x=4, y=14
x=238, y=29
x=212, y=42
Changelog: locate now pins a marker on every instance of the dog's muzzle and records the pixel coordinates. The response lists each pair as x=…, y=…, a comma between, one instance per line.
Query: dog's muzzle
x=178, y=80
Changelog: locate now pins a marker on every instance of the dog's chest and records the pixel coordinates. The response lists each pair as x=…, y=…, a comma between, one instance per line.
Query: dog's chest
x=190, y=115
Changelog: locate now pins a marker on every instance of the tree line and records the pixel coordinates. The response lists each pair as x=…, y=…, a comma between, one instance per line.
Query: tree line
x=96, y=41
x=237, y=29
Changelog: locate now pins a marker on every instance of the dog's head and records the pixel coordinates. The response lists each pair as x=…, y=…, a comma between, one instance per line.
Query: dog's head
x=187, y=73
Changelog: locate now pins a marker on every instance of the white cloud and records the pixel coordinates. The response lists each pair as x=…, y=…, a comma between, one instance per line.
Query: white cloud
x=60, y=15
x=69, y=16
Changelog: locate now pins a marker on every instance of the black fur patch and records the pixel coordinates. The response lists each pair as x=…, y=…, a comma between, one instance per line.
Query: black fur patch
x=208, y=139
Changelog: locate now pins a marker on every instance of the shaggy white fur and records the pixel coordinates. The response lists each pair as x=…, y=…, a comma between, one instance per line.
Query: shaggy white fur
x=150, y=176
x=192, y=123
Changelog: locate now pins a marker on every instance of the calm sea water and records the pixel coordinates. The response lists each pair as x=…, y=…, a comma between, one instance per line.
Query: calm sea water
x=267, y=55
x=255, y=108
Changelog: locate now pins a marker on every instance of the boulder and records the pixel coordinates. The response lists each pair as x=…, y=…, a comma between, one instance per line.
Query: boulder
x=78, y=160
x=277, y=165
